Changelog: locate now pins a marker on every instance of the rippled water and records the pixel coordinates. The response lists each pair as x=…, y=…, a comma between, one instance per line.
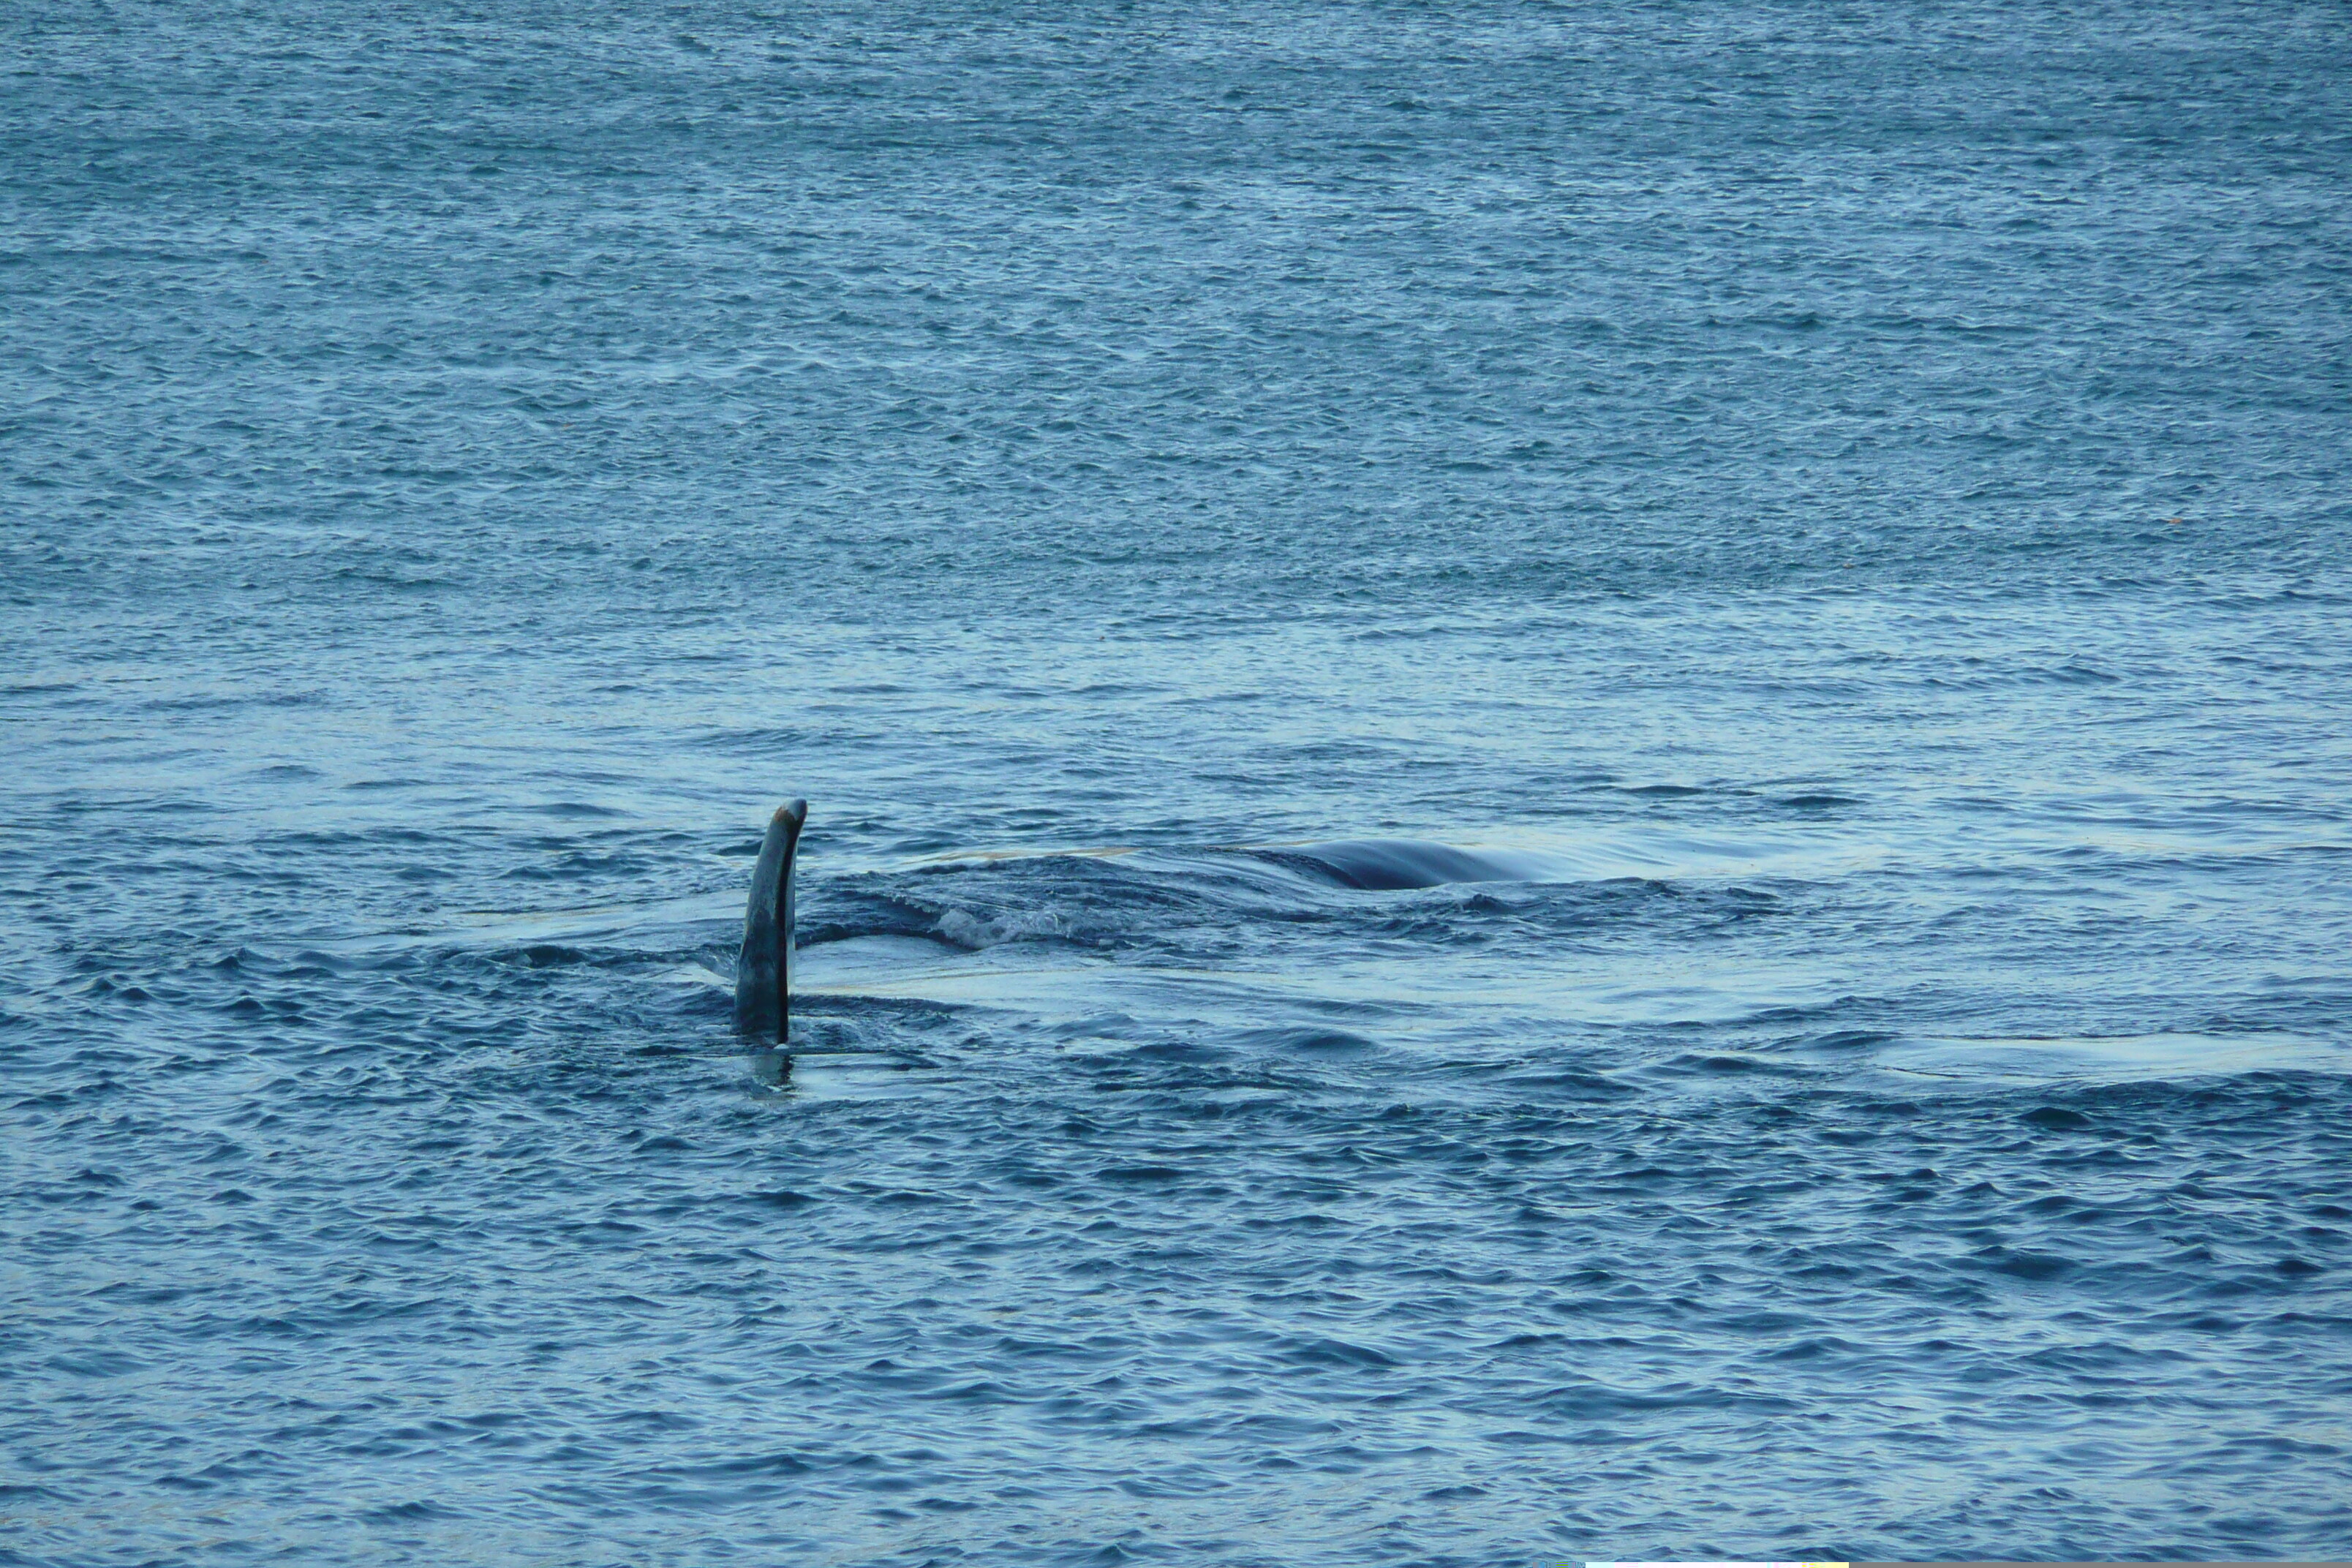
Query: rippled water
x=1843, y=505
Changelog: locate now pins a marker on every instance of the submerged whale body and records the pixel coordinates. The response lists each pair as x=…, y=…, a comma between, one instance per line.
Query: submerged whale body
x=1379, y=865
x=763, y=973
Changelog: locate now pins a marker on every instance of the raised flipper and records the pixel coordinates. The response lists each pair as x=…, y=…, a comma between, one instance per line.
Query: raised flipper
x=763, y=974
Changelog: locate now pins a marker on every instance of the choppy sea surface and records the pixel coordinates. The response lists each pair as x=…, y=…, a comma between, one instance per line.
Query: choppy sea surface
x=1840, y=510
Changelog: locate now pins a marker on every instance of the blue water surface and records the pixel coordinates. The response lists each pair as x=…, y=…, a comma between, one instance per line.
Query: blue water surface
x=1833, y=515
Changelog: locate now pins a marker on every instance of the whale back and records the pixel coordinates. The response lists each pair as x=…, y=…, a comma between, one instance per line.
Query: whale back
x=764, y=971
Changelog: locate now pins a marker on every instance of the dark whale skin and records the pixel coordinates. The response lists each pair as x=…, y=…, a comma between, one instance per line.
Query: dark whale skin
x=763, y=973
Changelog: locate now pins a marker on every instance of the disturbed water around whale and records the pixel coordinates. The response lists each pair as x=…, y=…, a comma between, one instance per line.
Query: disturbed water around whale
x=1576, y=785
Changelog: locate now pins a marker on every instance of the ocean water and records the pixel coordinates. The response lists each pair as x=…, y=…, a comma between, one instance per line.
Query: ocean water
x=1838, y=509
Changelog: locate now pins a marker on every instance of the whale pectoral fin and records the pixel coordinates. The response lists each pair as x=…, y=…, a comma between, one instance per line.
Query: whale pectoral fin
x=763, y=973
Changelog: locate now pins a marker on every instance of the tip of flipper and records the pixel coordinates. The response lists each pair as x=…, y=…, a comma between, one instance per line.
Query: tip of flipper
x=764, y=971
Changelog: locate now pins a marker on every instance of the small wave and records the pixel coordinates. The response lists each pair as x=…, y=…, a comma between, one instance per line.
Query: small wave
x=1390, y=864
x=974, y=932
x=972, y=928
